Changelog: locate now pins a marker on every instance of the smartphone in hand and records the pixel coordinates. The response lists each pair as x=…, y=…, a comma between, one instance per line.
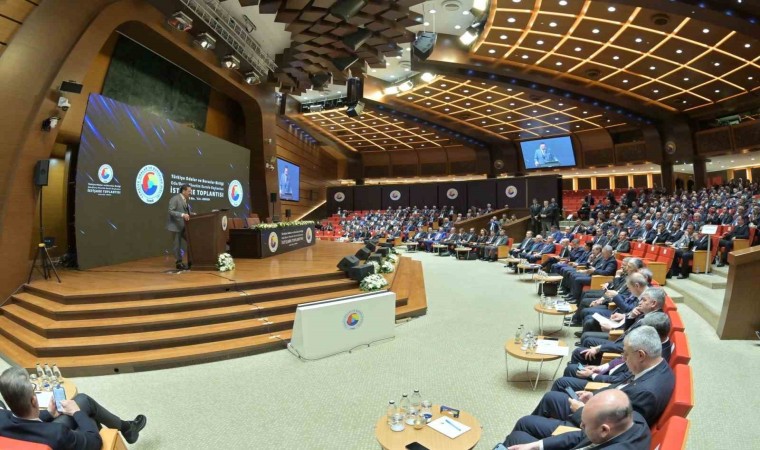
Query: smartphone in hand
x=59, y=394
x=571, y=393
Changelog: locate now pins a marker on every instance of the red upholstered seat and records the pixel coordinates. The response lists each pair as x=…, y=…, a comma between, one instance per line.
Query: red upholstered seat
x=14, y=444
x=682, y=399
x=639, y=249
x=652, y=252
x=672, y=435
x=666, y=255
x=676, y=324
x=681, y=353
x=669, y=304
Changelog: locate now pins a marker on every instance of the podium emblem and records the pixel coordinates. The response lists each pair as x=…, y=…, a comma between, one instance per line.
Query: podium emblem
x=395, y=196
x=511, y=191
x=353, y=319
x=149, y=184
x=452, y=194
x=309, y=235
x=339, y=197
x=273, y=242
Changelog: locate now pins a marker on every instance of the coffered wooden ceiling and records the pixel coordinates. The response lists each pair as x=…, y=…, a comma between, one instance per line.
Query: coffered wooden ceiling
x=507, y=112
x=317, y=36
x=383, y=130
x=659, y=59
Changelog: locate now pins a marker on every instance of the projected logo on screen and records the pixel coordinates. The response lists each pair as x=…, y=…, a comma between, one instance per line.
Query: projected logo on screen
x=395, y=195
x=339, y=197
x=149, y=184
x=353, y=319
x=105, y=173
x=235, y=193
x=273, y=242
x=452, y=194
x=511, y=191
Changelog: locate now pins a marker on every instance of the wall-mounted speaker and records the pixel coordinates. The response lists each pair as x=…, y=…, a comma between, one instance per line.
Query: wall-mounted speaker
x=354, y=90
x=287, y=213
x=41, y=170
x=273, y=197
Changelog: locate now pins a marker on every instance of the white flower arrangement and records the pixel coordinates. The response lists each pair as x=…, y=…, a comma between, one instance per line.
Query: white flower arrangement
x=225, y=263
x=387, y=267
x=376, y=265
x=269, y=226
x=373, y=283
x=393, y=258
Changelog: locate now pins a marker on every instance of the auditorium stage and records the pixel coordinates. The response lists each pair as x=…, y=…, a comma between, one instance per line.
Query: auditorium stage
x=142, y=315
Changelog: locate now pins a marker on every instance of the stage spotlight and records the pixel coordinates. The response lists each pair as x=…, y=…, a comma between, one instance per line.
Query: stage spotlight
x=180, y=21
x=423, y=46
x=231, y=62
x=427, y=77
x=346, y=9
x=355, y=110
x=469, y=36
x=391, y=90
x=251, y=78
x=206, y=41
x=405, y=86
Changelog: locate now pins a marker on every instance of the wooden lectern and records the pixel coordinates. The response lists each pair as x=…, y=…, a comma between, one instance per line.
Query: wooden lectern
x=206, y=236
x=740, y=317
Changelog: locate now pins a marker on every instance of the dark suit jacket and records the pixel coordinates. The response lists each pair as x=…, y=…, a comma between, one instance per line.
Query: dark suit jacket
x=623, y=246
x=605, y=266
x=740, y=232
x=53, y=434
x=635, y=438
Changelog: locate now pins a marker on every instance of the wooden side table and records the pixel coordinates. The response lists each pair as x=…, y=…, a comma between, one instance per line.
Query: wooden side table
x=513, y=349
x=542, y=311
x=398, y=440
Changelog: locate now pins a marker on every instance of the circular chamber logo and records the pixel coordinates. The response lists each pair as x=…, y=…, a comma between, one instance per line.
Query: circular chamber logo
x=273, y=242
x=235, y=193
x=105, y=173
x=309, y=235
x=452, y=194
x=511, y=191
x=353, y=319
x=395, y=195
x=339, y=197
x=149, y=184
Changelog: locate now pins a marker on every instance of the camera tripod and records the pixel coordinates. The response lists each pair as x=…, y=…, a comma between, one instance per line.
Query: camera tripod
x=42, y=254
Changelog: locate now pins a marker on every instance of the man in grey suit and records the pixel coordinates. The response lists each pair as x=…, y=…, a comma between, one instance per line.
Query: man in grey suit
x=179, y=213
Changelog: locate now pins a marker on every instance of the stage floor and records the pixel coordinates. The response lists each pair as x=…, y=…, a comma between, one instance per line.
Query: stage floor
x=158, y=274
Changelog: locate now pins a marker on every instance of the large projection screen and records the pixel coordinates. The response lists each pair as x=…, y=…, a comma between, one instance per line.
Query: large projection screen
x=130, y=163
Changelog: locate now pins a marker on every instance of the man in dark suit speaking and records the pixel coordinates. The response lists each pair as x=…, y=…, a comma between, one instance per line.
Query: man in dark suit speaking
x=73, y=428
x=286, y=192
x=179, y=213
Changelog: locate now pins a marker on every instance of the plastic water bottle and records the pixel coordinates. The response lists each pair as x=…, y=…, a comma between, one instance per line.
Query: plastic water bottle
x=40, y=373
x=48, y=371
x=404, y=405
x=518, y=334
x=416, y=401
x=57, y=372
x=391, y=410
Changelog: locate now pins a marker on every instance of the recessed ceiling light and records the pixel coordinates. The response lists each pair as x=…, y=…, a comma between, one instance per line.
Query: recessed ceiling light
x=611, y=9
x=432, y=11
x=638, y=40
x=427, y=103
x=528, y=123
x=562, y=2
x=705, y=30
x=625, y=81
x=577, y=49
x=552, y=24
x=585, y=112
x=503, y=37
x=466, y=91
x=446, y=98
x=652, y=67
x=482, y=121
x=716, y=64
x=747, y=45
x=445, y=109
x=559, y=63
x=561, y=104
x=374, y=70
x=457, y=27
x=656, y=91
x=492, y=51
x=616, y=57
x=679, y=51
x=406, y=69
x=685, y=78
x=488, y=97
x=511, y=20
x=540, y=42
x=466, y=12
x=524, y=56
x=717, y=91
x=427, y=24
x=750, y=77
x=595, y=31
x=467, y=104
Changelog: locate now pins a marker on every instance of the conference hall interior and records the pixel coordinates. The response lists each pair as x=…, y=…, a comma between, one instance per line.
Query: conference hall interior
x=379, y=224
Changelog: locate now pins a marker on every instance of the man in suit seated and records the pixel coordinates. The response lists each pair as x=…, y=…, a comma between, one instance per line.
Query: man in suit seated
x=545, y=249
x=623, y=245
x=577, y=250
x=636, y=284
x=616, y=370
x=435, y=238
x=522, y=246
x=564, y=253
x=532, y=248
x=740, y=231
x=452, y=241
x=608, y=421
x=591, y=349
x=490, y=251
x=590, y=252
x=649, y=387
x=75, y=427
x=606, y=265
x=681, y=267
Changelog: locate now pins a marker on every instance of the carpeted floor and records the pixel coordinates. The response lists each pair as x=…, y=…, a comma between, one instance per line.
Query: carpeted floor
x=454, y=355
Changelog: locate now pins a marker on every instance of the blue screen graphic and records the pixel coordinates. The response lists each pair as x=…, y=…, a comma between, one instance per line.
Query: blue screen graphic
x=548, y=153
x=288, y=175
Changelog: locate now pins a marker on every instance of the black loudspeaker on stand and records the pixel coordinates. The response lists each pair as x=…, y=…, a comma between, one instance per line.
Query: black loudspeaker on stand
x=41, y=180
x=273, y=200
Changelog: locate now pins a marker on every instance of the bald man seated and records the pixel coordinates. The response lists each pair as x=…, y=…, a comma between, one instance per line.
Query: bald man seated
x=608, y=421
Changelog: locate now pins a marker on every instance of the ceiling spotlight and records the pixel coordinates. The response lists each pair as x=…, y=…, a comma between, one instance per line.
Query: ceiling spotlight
x=459, y=27
x=638, y=40
x=231, y=62
x=427, y=77
x=432, y=11
x=391, y=90
x=562, y=2
x=205, y=41
x=611, y=9
x=469, y=36
x=252, y=78
x=595, y=31
x=503, y=37
x=553, y=24
x=466, y=12
x=705, y=30
x=511, y=20
x=540, y=42
x=180, y=21
x=492, y=51
x=405, y=86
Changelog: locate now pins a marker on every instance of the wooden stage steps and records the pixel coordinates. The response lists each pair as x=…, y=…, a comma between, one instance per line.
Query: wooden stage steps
x=134, y=322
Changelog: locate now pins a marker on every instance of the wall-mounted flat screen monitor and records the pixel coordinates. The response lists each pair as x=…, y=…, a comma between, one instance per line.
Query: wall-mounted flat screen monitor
x=288, y=178
x=548, y=153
